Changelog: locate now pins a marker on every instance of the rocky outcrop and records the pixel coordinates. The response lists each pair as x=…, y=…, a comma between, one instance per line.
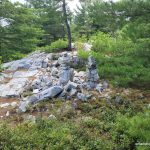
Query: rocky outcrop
x=43, y=76
x=45, y=94
x=14, y=87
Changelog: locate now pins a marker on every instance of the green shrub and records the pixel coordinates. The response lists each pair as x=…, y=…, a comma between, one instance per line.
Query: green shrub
x=79, y=45
x=56, y=46
x=83, y=54
x=11, y=55
x=143, y=48
x=94, y=128
x=127, y=131
x=121, y=61
x=101, y=42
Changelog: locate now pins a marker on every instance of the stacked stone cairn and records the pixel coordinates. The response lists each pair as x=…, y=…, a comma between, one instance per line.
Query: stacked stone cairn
x=65, y=83
x=66, y=73
x=92, y=76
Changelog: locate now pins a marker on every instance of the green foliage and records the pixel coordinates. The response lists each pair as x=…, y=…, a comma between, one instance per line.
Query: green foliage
x=122, y=61
x=83, y=54
x=102, y=42
x=21, y=32
x=97, y=126
x=47, y=134
x=132, y=130
x=109, y=17
x=56, y=46
x=51, y=19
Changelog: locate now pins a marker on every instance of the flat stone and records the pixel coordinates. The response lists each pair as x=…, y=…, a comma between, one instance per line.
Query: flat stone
x=105, y=85
x=70, y=85
x=48, y=93
x=91, y=85
x=14, y=88
x=50, y=56
x=82, y=96
x=24, y=74
x=24, y=63
x=23, y=106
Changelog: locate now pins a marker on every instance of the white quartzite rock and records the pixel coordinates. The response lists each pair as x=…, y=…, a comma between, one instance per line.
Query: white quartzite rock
x=14, y=88
x=23, y=74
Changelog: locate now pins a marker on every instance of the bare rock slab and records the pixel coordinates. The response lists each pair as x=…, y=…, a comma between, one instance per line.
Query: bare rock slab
x=14, y=88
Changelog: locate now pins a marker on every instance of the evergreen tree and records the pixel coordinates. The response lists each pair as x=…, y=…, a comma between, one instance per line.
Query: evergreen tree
x=50, y=18
x=20, y=32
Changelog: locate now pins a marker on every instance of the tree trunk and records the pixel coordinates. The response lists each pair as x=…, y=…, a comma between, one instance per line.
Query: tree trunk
x=67, y=25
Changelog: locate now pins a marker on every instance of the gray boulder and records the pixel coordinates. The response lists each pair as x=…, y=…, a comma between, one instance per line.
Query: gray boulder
x=92, y=76
x=65, y=75
x=70, y=85
x=48, y=93
x=82, y=97
x=73, y=92
x=99, y=88
x=105, y=85
x=45, y=63
x=64, y=59
x=20, y=64
x=23, y=106
x=23, y=74
x=14, y=87
x=41, y=83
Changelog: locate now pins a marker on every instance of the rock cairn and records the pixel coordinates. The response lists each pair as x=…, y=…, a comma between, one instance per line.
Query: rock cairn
x=50, y=76
x=92, y=76
x=66, y=73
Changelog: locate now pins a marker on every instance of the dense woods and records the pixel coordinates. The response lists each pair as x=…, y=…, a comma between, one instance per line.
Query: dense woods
x=119, y=33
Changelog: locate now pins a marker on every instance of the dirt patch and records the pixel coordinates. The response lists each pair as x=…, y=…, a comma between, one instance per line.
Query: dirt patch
x=4, y=110
x=8, y=100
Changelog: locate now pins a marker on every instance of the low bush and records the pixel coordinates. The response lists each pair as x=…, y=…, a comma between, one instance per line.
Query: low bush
x=83, y=54
x=101, y=42
x=109, y=129
x=127, y=131
x=56, y=46
x=11, y=55
x=121, y=61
